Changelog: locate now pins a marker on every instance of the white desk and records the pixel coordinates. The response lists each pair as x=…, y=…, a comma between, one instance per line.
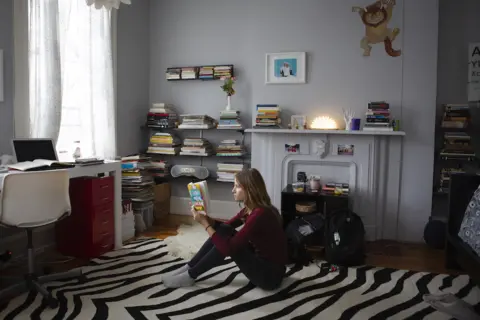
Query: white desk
x=112, y=168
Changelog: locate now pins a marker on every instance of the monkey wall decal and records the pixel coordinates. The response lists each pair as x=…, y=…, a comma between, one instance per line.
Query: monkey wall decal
x=376, y=17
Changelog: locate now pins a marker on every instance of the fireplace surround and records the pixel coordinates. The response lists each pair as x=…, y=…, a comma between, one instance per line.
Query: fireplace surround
x=372, y=168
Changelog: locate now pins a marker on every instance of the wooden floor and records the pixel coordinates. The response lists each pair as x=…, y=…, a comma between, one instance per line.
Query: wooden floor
x=389, y=254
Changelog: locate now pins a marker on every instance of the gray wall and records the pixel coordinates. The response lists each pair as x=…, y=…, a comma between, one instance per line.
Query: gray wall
x=133, y=43
x=6, y=44
x=189, y=32
x=458, y=26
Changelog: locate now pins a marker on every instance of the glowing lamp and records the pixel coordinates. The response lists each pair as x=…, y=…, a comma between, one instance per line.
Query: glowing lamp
x=323, y=123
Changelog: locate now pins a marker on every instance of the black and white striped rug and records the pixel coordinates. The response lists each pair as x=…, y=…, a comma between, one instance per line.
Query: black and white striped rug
x=126, y=284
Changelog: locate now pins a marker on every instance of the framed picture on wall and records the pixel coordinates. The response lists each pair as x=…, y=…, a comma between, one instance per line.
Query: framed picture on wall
x=285, y=68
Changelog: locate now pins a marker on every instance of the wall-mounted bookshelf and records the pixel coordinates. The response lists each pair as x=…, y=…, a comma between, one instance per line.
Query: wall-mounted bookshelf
x=203, y=73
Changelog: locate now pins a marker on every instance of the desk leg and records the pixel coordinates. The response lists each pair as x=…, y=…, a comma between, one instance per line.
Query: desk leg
x=117, y=181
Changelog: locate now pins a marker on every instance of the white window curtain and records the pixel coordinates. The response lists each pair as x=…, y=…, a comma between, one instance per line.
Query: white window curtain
x=70, y=75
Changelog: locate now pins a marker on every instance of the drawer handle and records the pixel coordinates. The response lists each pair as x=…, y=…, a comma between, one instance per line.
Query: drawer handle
x=104, y=186
x=105, y=199
x=105, y=221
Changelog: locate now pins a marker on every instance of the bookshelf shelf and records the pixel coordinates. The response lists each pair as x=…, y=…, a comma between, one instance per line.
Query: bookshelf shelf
x=453, y=153
x=199, y=73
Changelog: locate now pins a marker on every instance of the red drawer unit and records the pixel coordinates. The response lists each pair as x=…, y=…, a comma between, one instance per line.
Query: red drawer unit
x=89, y=231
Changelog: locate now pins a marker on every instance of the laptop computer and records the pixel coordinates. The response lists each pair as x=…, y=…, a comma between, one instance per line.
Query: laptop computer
x=32, y=149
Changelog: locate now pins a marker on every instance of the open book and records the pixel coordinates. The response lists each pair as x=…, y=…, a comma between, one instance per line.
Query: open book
x=199, y=196
x=40, y=164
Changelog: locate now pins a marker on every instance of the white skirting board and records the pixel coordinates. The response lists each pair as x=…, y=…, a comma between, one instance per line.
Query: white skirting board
x=218, y=209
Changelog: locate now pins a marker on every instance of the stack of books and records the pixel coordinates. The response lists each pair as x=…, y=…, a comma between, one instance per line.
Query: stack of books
x=196, y=147
x=162, y=115
x=222, y=71
x=268, y=116
x=229, y=119
x=205, y=73
x=445, y=174
x=196, y=121
x=333, y=188
x=137, y=183
x=230, y=148
x=189, y=73
x=226, y=171
x=377, y=117
x=457, y=145
x=164, y=143
x=159, y=169
x=455, y=116
x=173, y=73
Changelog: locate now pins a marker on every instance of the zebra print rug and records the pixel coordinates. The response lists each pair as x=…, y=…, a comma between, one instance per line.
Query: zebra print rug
x=126, y=284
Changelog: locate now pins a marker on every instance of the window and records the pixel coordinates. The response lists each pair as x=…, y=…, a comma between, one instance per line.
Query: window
x=70, y=47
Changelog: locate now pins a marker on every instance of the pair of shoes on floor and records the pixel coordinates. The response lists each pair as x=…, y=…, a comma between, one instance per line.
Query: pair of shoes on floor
x=451, y=305
x=178, y=278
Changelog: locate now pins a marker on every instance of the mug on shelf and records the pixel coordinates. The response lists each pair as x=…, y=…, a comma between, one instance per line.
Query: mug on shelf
x=355, y=124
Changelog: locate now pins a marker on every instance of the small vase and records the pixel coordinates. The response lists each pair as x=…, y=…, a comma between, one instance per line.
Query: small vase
x=228, y=107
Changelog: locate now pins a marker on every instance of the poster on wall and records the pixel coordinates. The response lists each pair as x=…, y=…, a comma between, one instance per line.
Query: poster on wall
x=285, y=68
x=375, y=17
x=474, y=72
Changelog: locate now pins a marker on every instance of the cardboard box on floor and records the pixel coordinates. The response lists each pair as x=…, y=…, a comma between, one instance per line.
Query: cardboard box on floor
x=162, y=200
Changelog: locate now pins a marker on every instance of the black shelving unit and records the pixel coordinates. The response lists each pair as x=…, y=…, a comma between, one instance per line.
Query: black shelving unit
x=325, y=203
x=196, y=70
x=453, y=153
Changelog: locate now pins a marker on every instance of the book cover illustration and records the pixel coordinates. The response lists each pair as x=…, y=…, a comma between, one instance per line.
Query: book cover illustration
x=199, y=196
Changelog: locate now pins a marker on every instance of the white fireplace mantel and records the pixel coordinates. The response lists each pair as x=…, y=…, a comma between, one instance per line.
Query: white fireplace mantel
x=373, y=171
x=341, y=132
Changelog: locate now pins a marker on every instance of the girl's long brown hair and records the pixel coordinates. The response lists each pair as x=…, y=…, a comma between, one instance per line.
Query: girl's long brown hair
x=256, y=195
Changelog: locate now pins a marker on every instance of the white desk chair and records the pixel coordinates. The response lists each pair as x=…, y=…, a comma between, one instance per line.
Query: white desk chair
x=30, y=200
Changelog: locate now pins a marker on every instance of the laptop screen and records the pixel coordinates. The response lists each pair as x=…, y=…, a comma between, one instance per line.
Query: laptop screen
x=29, y=150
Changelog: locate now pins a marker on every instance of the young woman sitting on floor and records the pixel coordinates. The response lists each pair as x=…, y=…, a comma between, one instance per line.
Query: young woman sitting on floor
x=259, y=249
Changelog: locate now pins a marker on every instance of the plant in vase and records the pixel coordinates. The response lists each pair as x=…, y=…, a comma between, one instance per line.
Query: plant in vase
x=227, y=87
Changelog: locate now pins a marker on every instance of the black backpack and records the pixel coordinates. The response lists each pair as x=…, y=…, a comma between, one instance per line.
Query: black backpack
x=298, y=239
x=345, y=239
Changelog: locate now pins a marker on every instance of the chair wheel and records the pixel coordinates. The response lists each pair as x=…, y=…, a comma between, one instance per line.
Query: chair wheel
x=51, y=302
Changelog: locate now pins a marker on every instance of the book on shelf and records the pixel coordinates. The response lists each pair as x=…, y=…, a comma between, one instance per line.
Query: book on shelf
x=162, y=115
x=199, y=196
x=229, y=119
x=268, y=116
x=40, y=164
x=230, y=148
x=164, y=143
x=226, y=171
x=455, y=116
x=196, y=147
x=196, y=121
x=378, y=117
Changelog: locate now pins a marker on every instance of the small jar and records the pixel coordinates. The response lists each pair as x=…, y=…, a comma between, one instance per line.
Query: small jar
x=314, y=184
x=298, y=186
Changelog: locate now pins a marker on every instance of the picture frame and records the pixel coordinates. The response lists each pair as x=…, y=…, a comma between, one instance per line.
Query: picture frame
x=301, y=120
x=285, y=68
